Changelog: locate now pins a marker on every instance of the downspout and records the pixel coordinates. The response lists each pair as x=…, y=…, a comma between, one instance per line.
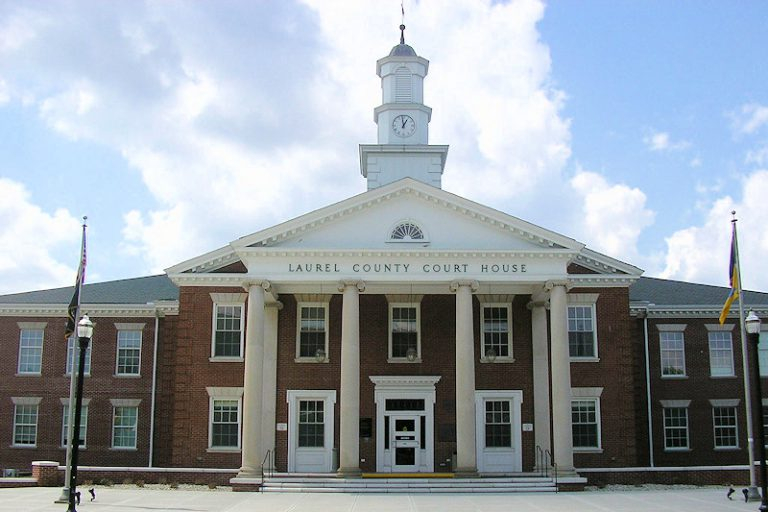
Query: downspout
x=154, y=392
x=648, y=385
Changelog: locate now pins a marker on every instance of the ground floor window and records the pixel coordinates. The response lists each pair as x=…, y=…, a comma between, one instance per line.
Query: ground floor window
x=125, y=423
x=585, y=423
x=25, y=424
x=676, y=428
x=225, y=424
x=726, y=431
x=83, y=425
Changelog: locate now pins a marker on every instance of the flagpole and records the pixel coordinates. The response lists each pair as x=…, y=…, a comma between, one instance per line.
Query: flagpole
x=753, y=493
x=74, y=369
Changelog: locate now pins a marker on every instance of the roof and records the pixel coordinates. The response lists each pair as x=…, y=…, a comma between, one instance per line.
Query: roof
x=140, y=290
x=402, y=50
x=664, y=292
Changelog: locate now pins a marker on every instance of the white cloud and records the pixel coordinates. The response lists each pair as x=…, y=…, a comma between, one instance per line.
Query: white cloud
x=660, y=141
x=30, y=237
x=700, y=253
x=758, y=156
x=613, y=215
x=750, y=118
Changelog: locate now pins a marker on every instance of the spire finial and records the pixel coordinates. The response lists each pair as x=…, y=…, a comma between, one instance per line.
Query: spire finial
x=402, y=34
x=402, y=23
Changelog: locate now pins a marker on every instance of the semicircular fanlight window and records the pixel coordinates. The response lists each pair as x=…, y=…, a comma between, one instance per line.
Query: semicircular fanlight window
x=406, y=232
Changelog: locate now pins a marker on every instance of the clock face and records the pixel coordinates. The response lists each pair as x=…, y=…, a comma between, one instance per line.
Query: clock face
x=403, y=125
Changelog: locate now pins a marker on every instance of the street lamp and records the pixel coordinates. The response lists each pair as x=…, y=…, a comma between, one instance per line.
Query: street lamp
x=84, y=333
x=753, y=335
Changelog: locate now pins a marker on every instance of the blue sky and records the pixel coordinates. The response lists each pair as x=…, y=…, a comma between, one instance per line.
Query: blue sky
x=176, y=127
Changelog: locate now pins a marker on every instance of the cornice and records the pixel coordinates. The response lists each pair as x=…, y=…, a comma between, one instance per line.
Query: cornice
x=195, y=279
x=688, y=311
x=274, y=252
x=601, y=281
x=161, y=308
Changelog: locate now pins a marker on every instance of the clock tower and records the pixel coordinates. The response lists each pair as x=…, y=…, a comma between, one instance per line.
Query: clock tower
x=403, y=149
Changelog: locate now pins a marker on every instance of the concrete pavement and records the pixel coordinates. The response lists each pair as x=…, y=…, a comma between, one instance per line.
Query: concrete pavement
x=133, y=499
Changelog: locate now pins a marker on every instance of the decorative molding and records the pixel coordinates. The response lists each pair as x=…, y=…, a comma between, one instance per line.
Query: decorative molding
x=404, y=298
x=65, y=401
x=228, y=298
x=31, y=325
x=130, y=326
x=671, y=327
x=718, y=327
x=404, y=381
x=225, y=392
x=725, y=402
x=497, y=298
x=125, y=402
x=26, y=400
x=582, y=298
x=473, y=285
x=313, y=297
x=355, y=282
x=674, y=403
x=594, y=392
x=94, y=310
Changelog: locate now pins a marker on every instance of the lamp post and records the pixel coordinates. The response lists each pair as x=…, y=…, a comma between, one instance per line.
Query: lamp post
x=753, y=334
x=84, y=333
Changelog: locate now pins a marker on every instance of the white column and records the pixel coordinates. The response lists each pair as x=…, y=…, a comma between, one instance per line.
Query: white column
x=541, y=420
x=253, y=449
x=269, y=381
x=561, y=378
x=466, y=456
x=349, y=432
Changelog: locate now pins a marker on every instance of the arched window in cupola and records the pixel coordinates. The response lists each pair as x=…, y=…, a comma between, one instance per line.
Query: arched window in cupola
x=407, y=231
x=403, y=90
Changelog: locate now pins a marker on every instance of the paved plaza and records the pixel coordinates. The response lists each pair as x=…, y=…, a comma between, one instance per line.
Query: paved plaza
x=122, y=499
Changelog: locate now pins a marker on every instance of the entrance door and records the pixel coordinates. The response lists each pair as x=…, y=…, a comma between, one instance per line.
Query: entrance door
x=405, y=440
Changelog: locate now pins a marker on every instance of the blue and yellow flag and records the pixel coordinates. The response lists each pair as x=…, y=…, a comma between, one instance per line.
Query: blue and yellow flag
x=733, y=272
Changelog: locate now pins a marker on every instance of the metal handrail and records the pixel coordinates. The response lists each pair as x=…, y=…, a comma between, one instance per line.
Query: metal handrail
x=270, y=468
x=553, y=465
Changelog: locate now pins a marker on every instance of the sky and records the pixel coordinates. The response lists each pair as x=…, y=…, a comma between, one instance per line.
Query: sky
x=176, y=126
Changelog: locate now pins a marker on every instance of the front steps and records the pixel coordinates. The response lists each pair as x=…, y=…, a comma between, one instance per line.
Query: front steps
x=381, y=483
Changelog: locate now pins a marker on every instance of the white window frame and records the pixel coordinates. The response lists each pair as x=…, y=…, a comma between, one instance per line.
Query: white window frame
x=227, y=300
x=584, y=300
x=293, y=397
x=28, y=327
x=83, y=422
x=390, y=323
x=509, y=358
x=313, y=358
x=125, y=403
x=676, y=404
x=73, y=350
x=762, y=354
x=216, y=394
x=672, y=329
x=25, y=401
x=720, y=331
x=125, y=328
x=589, y=395
x=725, y=404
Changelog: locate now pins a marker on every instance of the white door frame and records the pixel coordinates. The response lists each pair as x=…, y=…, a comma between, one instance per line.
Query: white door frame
x=405, y=387
x=324, y=454
x=499, y=460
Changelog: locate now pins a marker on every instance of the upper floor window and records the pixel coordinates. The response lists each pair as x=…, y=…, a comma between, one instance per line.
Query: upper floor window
x=404, y=339
x=496, y=327
x=720, y=354
x=227, y=331
x=31, y=348
x=73, y=356
x=582, y=339
x=312, y=339
x=672, y=346
x=128, y=352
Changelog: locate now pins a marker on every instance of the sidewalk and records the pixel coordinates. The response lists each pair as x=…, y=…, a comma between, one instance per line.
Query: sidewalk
x=118, y=499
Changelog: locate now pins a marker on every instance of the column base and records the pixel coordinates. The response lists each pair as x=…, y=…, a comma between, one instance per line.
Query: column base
x=466, y=473
x=349, y=473
x=753, y=494
x=246, y=472
x=566, y=472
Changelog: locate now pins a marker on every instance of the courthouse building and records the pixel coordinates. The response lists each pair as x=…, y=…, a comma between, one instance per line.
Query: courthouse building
x=402, y=330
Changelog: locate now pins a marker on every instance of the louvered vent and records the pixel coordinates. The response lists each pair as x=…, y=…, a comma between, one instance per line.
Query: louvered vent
x=403, y=85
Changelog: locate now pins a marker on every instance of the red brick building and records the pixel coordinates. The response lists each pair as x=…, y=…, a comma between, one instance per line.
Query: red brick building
x=402, y=330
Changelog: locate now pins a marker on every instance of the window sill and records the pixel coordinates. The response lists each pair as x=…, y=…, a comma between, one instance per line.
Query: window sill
x=127, y=375
x=497, y=360
x=722, y=376
x=123, y=449
x=310, y=360
x=29, y=374
x=727, y=449
x=66, y=447
x=674, y=377
x=402, y=360
x=69, y=375
x=585, y=359
x=587, y=450
x=677, y=450
x=220, y=359
x=24, y=446
x=223, y=450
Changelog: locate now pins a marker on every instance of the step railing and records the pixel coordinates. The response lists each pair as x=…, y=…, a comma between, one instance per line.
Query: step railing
x=270, y=468
x=545, y=463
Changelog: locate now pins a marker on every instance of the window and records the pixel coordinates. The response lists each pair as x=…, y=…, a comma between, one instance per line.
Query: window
x=228, y=330
x=672, y=353
x=726, y=430
x=25, y=421
x=31, y=351
x=225, y=424
x=125, y=418
x=312, y=343
x=311, y=424
x=675, y=428
x=585, y=423
x=404, y=332
x=496, y=328
x=407, y=232
x=83, y=424
x=498, y=424
x=128, y=352
x=720, y=354
x=762, y=349
x=581, y=331
x=73, y=354
x=765, y=423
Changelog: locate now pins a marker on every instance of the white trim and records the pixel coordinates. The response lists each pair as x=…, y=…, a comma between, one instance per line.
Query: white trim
x=709, y=347
x=499, y=460
x=125, y=403
x=404, y=305
x=65, y=419
x=22, y=330
x=227, y=300
x=589, y=395
x=671, y=327
x=735, y=426
x=293, y=396
x=25, y=402
x=229, y=394
x=718, y=327
x=661, y=358
x=581, y=301
x=510, y=357
x=132, y=328
x=326, y=320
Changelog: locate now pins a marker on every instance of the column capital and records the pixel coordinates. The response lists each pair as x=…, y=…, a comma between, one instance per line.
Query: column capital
x=544, y=303
x=277, y=305
x=549, y=285
x=357, y=283
x=471, y=283
x=265, y=285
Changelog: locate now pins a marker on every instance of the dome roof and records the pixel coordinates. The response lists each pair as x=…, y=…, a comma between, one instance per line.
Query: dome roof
x=402, y=50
